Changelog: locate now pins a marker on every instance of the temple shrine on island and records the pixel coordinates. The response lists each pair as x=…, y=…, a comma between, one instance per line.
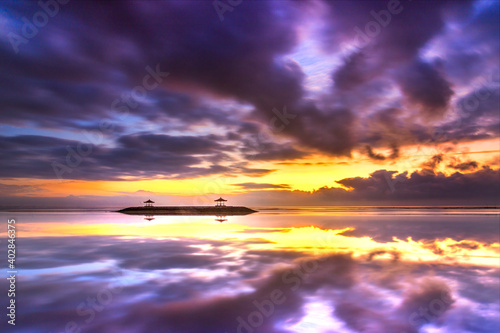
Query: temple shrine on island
x=149, y=203
x=220, y=202
x=220, y=210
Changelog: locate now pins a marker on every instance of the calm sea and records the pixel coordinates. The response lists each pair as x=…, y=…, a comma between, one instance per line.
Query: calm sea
x=301, y=269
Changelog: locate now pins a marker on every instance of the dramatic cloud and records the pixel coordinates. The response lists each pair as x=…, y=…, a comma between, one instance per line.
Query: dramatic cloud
x=478, y=187
x=423, y=86
x=464, y=166
x=433, y=162
x=139, y=155
x=268, y=151
x=380, y=157
x=169, y=90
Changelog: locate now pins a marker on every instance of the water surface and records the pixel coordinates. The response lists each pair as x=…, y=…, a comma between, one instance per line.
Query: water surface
x=306, y=269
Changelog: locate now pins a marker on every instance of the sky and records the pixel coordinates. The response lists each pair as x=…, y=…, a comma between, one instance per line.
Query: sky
x=106, y=104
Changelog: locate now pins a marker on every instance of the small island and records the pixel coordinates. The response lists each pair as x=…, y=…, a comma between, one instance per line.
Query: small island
x=220, y=209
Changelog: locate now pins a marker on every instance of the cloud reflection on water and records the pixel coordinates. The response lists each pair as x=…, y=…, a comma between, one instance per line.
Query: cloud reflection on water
x=201, y=276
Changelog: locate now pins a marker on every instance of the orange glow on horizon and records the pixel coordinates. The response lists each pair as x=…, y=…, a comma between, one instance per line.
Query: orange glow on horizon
x=306, y=175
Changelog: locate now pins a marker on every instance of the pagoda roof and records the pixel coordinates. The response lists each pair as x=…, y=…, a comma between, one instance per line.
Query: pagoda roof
x=220, y=199
x=149, y=201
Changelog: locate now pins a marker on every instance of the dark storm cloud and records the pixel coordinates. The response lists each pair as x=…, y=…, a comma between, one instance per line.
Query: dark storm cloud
x=242, y=58
x=406, y=27
x=239, y=58
x=31, y=155
x=403, y=29
x=268, y=151
x=465, y=166
x=463, y=66
x=424, y=86
x=353, y=73
x=75, y=68
x=433, y=162
x=185, y=145
x=394, y=52
x=236, y=59
x=330, y=131
x=170, y=156
x=373, y=155
x=477, y=114
x=380, y=157
x=478, y=187
x=168, y=105
x=390, y=128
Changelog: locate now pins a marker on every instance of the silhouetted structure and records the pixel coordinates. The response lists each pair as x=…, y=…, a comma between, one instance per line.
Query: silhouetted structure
x=220, y=210
x=149, y=203
x=221, y=218
x=220, y=202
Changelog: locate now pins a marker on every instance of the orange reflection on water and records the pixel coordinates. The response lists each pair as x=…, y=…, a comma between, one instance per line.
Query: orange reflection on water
x=309, y=240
